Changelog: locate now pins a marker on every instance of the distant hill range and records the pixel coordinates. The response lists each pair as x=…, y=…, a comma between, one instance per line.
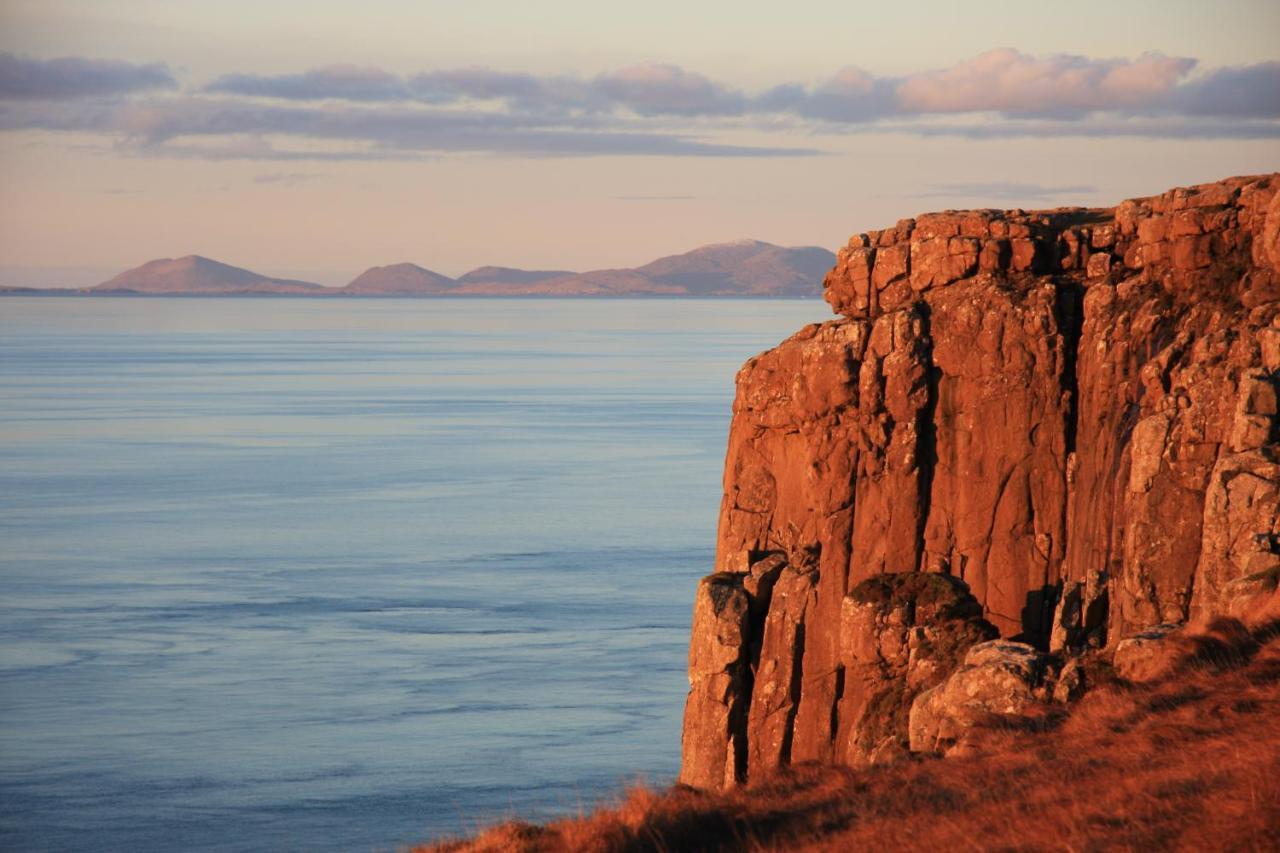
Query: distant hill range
x=194, y=274
x=740, y=268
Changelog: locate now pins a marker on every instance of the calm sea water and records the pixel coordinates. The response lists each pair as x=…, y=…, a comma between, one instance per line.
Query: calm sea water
x=344, y=575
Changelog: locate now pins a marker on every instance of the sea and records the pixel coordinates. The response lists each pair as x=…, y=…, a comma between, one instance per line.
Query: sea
x=350, y=574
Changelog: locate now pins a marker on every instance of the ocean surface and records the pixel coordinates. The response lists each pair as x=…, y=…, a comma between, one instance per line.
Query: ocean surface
x=349, y=574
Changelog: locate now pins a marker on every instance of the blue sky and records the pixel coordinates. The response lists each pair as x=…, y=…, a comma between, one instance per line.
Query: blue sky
x=320, y=137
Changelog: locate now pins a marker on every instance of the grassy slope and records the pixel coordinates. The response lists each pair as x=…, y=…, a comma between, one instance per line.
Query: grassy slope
x=1189, y=763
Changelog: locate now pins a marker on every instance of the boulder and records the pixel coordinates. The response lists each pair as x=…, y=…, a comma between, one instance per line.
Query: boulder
x=1147, y=654
x=998, y=679
x=900, y=634
x=1070, y=683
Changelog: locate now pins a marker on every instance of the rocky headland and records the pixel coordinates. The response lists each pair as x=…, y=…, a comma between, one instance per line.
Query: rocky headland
x=998, y=562
x=1034, y=443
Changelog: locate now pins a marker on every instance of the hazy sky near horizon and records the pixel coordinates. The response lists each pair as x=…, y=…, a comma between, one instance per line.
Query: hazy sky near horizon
x=317, y=138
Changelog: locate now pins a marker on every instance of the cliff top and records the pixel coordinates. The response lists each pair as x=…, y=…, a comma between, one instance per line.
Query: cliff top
x=1174, y=236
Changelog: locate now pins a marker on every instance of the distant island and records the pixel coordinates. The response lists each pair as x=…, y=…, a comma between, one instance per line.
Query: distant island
x=742, y=268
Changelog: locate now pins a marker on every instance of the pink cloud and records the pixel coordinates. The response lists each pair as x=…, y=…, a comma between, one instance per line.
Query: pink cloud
x=1008, y=81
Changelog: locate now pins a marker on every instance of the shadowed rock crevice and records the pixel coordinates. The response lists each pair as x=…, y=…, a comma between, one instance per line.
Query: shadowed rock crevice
x=797, y=681
x=1070, y=319
x=1073, y=412
x=927, y=442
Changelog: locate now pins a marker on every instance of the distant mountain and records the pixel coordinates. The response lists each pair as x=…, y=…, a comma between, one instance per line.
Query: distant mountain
x=594, y=283
x=399, y=280
x=743, y=268
x=508, y=275
x=413, y=280
x=740, y=268
x=196, y=275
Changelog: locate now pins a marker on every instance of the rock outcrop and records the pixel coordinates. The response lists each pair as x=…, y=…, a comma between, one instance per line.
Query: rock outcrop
x=900, y=635
x=1070, y=413
x=998, y=679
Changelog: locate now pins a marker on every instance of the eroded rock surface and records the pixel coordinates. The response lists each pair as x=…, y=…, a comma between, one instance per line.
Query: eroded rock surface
x=900, y=634
x=713, y=736
x=1074, y=412
x=997, y=679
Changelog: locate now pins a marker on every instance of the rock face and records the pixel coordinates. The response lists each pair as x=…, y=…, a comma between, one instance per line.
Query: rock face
x=718, y=675
x=1074, y=412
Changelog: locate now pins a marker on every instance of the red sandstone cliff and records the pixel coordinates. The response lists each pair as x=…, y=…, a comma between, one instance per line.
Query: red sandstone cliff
x=1070, y=413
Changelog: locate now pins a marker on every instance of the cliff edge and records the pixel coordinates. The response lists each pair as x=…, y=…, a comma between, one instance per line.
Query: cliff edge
x=1031, y=439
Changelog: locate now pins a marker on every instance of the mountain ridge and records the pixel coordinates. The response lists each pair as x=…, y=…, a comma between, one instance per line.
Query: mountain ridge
x=198, y=274
x=740, y=268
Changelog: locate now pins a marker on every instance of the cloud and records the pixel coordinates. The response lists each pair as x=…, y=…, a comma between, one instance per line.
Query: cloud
x=850, y=96
x=1004, y=81
x=478, y=83
x=260, y=150
x=346, y=82
x=1005, y=191
x=1014, y=83
x=1151, y=127
x=169, y=126
x=22, y=78
x=649, y=89
x=353, y=112
x=652, y=89
x=287, y=179
x=1251, y=91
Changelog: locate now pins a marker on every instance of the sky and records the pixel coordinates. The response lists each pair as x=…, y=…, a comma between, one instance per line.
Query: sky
x=316, y=138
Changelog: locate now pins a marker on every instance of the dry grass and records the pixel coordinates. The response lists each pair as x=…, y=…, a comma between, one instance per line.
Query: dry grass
x=1191, y=763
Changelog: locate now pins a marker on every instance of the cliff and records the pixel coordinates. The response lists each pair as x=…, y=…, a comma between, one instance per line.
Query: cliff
x=1066, y=420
